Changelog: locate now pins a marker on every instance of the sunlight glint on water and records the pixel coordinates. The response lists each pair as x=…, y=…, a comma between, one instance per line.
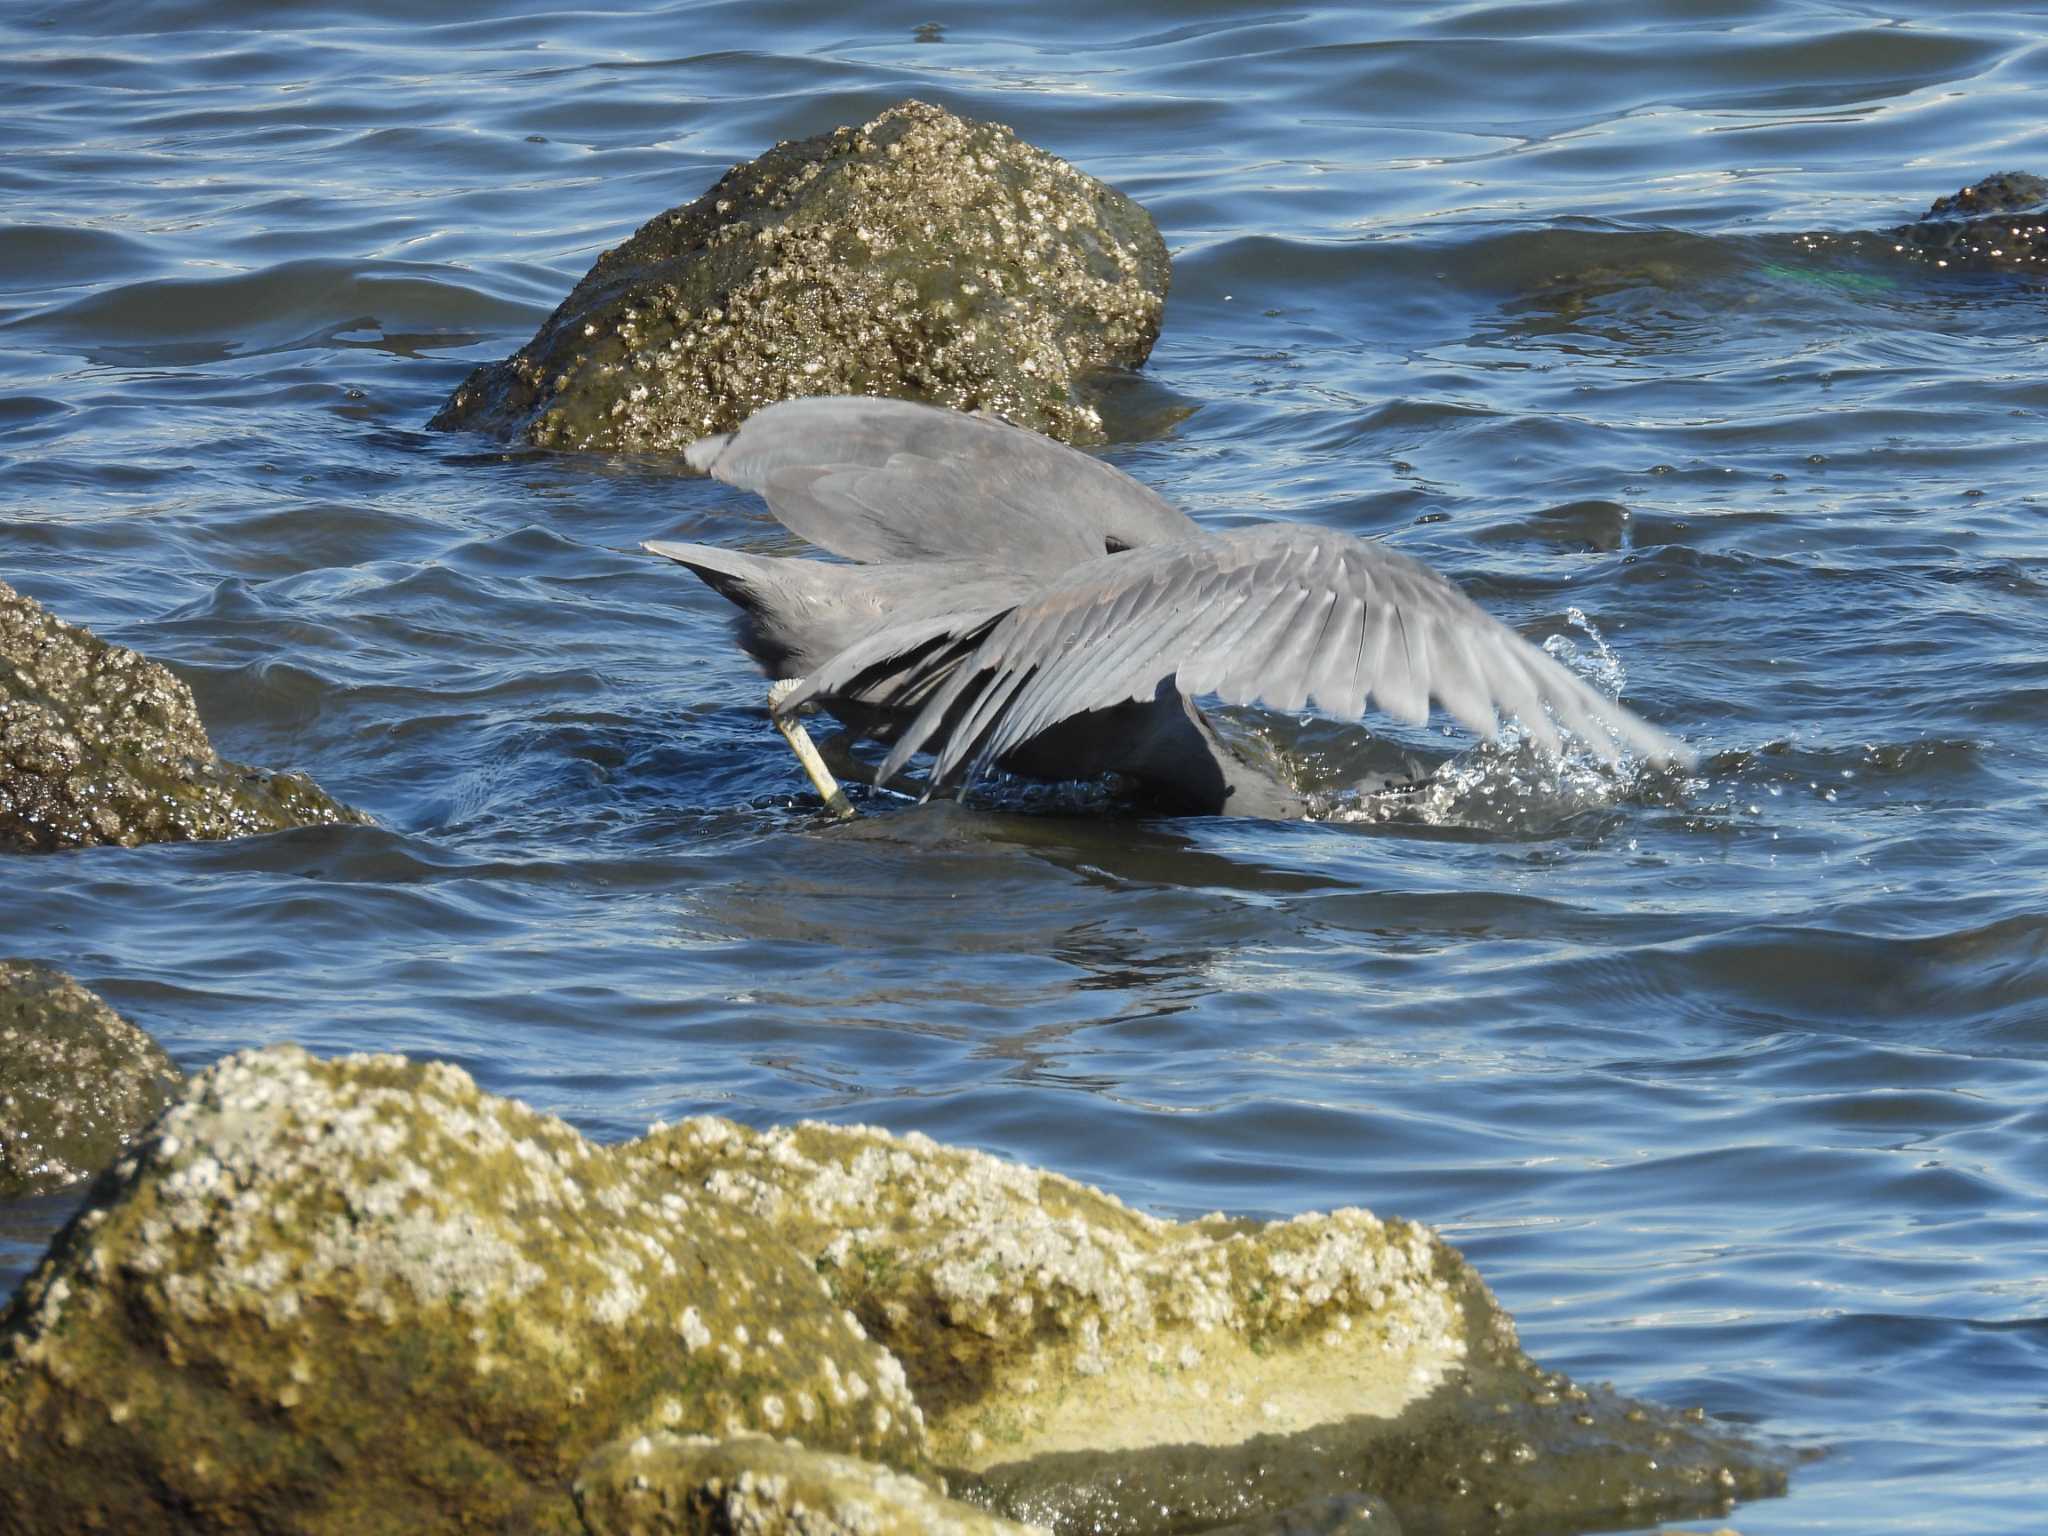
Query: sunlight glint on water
x=1731, y=1082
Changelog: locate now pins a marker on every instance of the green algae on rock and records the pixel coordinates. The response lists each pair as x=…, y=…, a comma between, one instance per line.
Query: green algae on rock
x=1089, y=1368
x=673, y=1485
x=76, y=1080
x=101, y=745
x=921, y=256
x=364, y=1296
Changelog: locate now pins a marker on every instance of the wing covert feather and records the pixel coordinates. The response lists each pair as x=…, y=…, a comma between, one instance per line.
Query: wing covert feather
x=875, y=480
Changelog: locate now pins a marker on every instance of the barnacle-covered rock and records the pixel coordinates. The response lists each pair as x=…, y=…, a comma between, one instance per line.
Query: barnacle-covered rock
x=1998, y=224
x=101, y=745
x=677, y=1485
x=921, y=256
x=364, y=1296
x=1034, y=1314
x=76, y=1080
x=1089, y=1368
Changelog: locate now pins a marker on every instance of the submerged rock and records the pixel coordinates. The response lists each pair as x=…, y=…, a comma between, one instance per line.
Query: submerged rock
x=101, y=745
x=920, y=255
x=672, y=1485
x=1999, y=223
x=363, y=1296
x=76, y=1080
x=1088, y=1368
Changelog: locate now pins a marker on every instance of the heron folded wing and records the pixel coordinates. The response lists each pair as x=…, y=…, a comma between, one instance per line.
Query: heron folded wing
x=878, y=480
x=1280, y=616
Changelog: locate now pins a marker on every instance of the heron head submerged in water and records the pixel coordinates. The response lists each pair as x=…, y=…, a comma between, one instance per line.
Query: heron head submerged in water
x=1013, y=602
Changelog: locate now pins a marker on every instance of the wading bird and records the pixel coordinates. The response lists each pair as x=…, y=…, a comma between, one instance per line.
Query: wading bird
x=1012, y=602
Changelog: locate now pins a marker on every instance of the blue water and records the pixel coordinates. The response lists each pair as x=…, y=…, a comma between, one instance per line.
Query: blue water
x=1735, y=1087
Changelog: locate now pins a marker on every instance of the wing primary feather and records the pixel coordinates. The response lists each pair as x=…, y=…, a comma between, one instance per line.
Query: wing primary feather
x=1042, y=696
x=1248, y=607
x=1126, y=663
x=928, y=720
x=1519, y=690
x=1574, y=704
x=1119, y=666
x=1375, y=633
x=1199, y=614
x=890, y=678
x=1052, y=692
x=838, y=674
x=1293, y=656
x=1403, y=691
x=1459, y=680
x=1002, y=661
x=1336, y=660
x=966, y=737
x=1233, y=676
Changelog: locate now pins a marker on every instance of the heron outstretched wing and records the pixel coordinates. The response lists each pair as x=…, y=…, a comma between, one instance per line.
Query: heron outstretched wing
x=1283, y=615
x=879, y=480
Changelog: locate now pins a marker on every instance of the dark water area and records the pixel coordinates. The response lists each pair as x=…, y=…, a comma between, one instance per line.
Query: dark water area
x=1734, y=1084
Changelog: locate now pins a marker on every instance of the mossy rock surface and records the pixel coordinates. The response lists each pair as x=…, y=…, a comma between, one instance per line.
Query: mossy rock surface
x=76, y=1080
x=675, y=1485
x=921, y=256
x=363, y=1296
x=101, y=745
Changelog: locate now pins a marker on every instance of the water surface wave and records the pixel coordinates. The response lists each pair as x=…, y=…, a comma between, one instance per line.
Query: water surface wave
x=1731, y=1082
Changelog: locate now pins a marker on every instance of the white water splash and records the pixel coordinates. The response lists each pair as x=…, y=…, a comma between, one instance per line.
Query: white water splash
x=1506, y=786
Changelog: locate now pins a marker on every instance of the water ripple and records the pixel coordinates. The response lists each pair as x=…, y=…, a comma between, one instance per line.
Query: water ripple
x=1731, y=1082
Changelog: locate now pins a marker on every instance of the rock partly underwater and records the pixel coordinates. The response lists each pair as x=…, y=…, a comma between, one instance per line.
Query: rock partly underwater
x=675, y=1485
x=76, y=1080
x=1997, y=224
x=1994, y=227
x=101, y=745
x=364, y=1296
x=1035, y=1315
x=920, y=255
x=1089, y=1368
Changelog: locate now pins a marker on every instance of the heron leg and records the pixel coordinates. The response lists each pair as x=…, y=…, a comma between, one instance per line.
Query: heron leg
x=806, y=751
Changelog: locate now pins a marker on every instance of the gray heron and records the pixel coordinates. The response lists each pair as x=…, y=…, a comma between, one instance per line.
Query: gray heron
x=1004, y=600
